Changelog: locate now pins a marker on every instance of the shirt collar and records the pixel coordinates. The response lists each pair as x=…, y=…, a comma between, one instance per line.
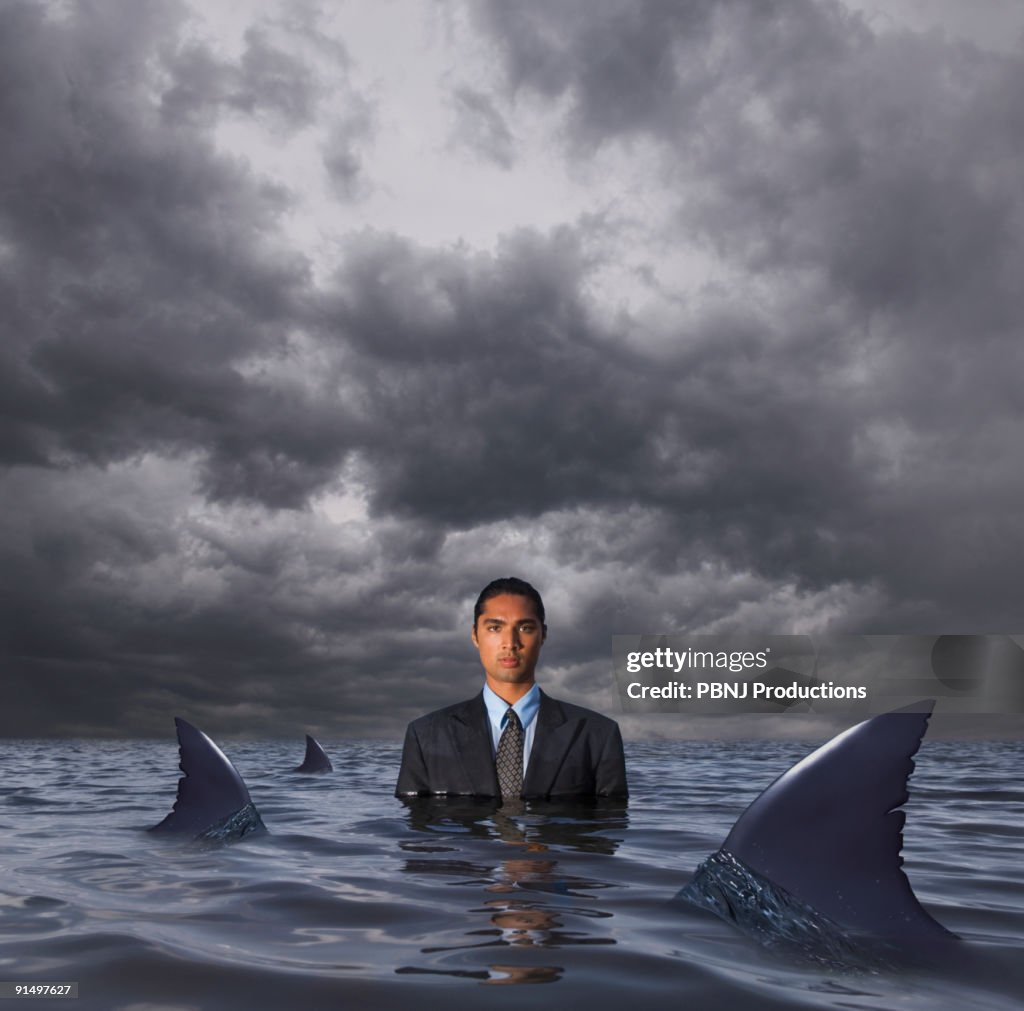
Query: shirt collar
x=526, y=708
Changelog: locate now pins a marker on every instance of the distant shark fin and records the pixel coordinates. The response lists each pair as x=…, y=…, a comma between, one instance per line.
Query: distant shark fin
x=828, y=831
x=316, y=759
x=213, y=801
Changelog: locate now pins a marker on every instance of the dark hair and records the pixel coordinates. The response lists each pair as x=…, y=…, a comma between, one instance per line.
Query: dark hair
x=509, y=584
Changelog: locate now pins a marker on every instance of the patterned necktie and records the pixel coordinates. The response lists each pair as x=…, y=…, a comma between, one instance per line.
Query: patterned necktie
x=509, y=759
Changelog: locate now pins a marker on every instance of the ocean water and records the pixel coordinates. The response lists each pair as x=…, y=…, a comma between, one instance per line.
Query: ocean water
x=357, y=900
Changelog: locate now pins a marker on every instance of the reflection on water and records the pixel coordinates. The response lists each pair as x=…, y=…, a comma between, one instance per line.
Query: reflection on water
x=535, y=832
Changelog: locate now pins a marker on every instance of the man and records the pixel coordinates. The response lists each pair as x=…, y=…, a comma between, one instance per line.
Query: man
x=512, y=740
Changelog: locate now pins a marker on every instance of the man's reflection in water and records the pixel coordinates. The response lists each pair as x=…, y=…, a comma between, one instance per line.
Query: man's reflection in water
x=523, y=974
x=520, y=923
x=517, y=919
x=496, y=974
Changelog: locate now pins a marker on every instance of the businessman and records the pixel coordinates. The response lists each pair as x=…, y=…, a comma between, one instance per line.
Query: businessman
x=512, y=741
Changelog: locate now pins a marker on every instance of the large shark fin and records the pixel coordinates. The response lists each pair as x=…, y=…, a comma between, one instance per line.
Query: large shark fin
x=213, y=802
x=828, y=831
x=316, y=759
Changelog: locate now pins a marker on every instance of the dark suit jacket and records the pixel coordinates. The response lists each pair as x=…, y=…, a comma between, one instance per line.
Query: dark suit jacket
x=576, y=753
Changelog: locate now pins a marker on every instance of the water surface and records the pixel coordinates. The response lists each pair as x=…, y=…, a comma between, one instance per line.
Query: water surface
x=356, y=899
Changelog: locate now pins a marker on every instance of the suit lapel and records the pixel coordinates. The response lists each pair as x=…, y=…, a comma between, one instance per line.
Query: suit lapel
x=551, y=743
x=471, y=736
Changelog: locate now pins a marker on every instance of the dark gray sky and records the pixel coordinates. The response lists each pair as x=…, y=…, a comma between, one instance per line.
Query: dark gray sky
x=703, y=317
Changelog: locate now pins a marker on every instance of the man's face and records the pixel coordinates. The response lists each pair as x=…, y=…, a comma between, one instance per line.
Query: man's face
x=509, y=636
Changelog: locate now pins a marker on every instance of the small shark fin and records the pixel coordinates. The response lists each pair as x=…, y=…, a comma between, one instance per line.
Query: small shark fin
x=316, y=759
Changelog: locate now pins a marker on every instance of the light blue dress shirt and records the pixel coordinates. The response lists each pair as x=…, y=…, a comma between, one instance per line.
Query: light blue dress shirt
x=526, y=709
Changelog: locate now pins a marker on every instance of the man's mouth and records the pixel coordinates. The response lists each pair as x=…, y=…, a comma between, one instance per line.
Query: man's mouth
x=509, y=661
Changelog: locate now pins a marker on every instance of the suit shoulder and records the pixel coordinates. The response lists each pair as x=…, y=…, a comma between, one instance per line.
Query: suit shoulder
x=445, y=713
x=573, y=712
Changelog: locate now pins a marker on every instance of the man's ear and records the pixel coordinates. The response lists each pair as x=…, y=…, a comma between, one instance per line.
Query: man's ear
x=472, y=636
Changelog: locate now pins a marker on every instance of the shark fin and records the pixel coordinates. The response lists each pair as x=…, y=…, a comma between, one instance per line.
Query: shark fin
x=316, y=759
x=829, y=831
x=213, y=801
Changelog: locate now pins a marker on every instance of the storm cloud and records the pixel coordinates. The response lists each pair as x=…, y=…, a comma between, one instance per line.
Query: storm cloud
x=701, y=317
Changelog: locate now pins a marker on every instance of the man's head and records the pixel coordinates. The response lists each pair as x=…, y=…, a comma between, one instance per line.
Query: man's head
x=509, y=630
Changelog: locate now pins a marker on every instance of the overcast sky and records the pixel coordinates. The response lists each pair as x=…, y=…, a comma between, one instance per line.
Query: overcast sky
x=701, y=316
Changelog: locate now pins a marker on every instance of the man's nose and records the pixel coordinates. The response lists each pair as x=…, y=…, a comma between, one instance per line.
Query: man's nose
x=512, y=640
